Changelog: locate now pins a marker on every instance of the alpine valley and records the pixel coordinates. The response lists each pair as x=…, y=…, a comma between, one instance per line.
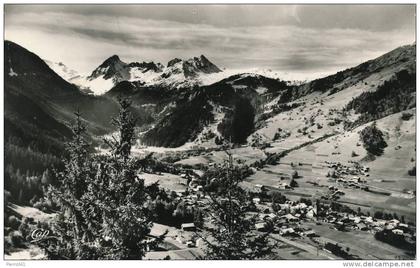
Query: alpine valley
x=189, y=111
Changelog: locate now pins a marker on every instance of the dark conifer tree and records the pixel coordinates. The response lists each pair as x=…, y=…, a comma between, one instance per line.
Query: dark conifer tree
x=230, y=236
x=72, y=227
x=128, y=221
x=101, y=199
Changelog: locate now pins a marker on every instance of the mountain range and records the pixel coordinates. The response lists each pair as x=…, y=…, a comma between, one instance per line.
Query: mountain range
x=183, y=102
x=176, y=74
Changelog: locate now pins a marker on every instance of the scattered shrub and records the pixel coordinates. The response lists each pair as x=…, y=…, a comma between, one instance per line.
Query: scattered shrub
x=13, y=222
x=373, y=140
x=16, y=239
x=293, y=183
x=406, y=116
x=412, y=171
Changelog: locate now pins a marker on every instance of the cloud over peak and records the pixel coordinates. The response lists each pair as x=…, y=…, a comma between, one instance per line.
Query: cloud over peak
x=290, y=38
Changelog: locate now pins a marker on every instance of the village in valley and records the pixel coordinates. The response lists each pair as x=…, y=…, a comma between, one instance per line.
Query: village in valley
x=330, y=208
x=134, y=159
x=306, y=227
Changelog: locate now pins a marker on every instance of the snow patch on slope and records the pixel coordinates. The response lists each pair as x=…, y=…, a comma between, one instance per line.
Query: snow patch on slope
x=63, y=70
x=148, y=77
x=99, y=85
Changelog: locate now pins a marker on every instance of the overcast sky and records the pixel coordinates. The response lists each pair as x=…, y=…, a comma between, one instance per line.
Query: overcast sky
x=301, y=38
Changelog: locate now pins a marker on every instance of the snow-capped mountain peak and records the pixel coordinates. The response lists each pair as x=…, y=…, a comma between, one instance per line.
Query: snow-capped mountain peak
x=176, y=74
x=173, y=62
x=63, y=70
x=147, y=66
x=203, y=64
x=192, y=67
x=111, y=68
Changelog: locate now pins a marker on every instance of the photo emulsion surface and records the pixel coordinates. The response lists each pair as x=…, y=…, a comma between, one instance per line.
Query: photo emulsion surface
x=209, y=132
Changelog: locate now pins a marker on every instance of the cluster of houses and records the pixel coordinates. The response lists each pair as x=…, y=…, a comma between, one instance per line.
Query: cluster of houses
x=370, y=224
x=348, y=222
x=333, y=193
x=353, y=182
x=192, y=181
x=286, y=220
x=187, y=236
x=353, y=176
x=344, y=170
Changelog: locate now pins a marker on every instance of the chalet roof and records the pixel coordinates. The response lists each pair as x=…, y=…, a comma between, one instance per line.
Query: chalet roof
x=260, y=225
x=288, y=230
x=188, y=225
x=361, y=225
x=289, y=217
